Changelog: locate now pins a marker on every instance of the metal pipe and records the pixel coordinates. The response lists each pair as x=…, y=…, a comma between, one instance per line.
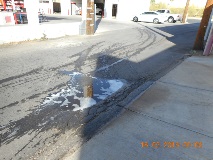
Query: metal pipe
x=209, y=43
x=208, y=27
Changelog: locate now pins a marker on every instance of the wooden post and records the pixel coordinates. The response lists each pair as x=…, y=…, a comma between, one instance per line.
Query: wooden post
x=198, y=45
x=88, y=91
x=90, y=17
x=87, y=83
x=185, y=12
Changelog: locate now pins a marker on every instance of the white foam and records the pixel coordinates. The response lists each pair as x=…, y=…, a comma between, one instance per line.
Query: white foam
x=85, y=102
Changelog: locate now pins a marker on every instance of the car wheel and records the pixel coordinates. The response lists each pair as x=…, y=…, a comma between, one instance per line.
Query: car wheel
x=156, y=21
x=171, y=20
x=135, y=19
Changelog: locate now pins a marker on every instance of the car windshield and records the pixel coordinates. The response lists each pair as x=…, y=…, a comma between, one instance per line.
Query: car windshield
x=149, y=13
x=160, y=11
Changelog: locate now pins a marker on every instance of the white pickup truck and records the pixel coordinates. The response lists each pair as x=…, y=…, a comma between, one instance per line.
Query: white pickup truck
x=171, y=18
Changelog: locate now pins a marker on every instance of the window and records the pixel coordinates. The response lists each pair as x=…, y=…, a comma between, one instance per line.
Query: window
x=160, y=11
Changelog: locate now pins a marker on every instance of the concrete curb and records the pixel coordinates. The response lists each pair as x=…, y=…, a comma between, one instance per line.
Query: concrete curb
x=10, y=34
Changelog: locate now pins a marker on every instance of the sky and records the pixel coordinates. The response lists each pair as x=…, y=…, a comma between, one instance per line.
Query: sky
x=198, y=3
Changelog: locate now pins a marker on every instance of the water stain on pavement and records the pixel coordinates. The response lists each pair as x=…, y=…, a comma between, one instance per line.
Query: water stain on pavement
x=75, y=96
x=61, y=110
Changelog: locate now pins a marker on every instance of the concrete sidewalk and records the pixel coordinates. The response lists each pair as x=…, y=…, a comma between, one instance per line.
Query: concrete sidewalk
x=173, y=119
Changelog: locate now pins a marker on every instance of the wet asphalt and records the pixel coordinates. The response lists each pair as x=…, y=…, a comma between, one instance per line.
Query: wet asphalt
x=135, y=53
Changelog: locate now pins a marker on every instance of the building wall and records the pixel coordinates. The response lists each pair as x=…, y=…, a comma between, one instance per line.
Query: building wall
x=6, y=18
x=47, y=8
x=76, y=7
x=70, y=7
x=65, y=7
x=126, y=9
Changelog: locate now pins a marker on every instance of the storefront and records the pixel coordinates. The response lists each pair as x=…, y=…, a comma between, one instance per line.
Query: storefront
x=7, y=7
x=11, y=5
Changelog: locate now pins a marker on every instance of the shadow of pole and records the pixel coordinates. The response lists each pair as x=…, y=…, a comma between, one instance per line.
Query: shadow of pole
x=98, y=21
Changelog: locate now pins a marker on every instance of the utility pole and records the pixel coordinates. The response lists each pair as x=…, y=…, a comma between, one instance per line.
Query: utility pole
x=90, y=29
x=198, y=45
x=185, y=13
x=90, y=26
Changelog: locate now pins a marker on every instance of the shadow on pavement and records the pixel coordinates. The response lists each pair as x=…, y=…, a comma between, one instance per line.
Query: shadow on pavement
x=98, y=21
x=116, y=63
x=173, y=34
x=136, y=73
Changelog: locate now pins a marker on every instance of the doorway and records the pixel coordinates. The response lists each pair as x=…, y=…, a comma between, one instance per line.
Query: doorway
x=114, y=10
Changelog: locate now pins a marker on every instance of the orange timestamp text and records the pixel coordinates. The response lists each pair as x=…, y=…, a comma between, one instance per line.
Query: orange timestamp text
x=172, y=144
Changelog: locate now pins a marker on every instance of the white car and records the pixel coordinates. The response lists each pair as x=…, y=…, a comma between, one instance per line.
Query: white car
x=171, y=18
x=150, y=16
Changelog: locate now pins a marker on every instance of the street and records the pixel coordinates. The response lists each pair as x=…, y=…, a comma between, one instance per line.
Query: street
x=42, y=114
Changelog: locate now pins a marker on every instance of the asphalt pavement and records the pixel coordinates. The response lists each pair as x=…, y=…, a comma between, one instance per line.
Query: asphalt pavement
x=172, y=119
x=36, y=81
